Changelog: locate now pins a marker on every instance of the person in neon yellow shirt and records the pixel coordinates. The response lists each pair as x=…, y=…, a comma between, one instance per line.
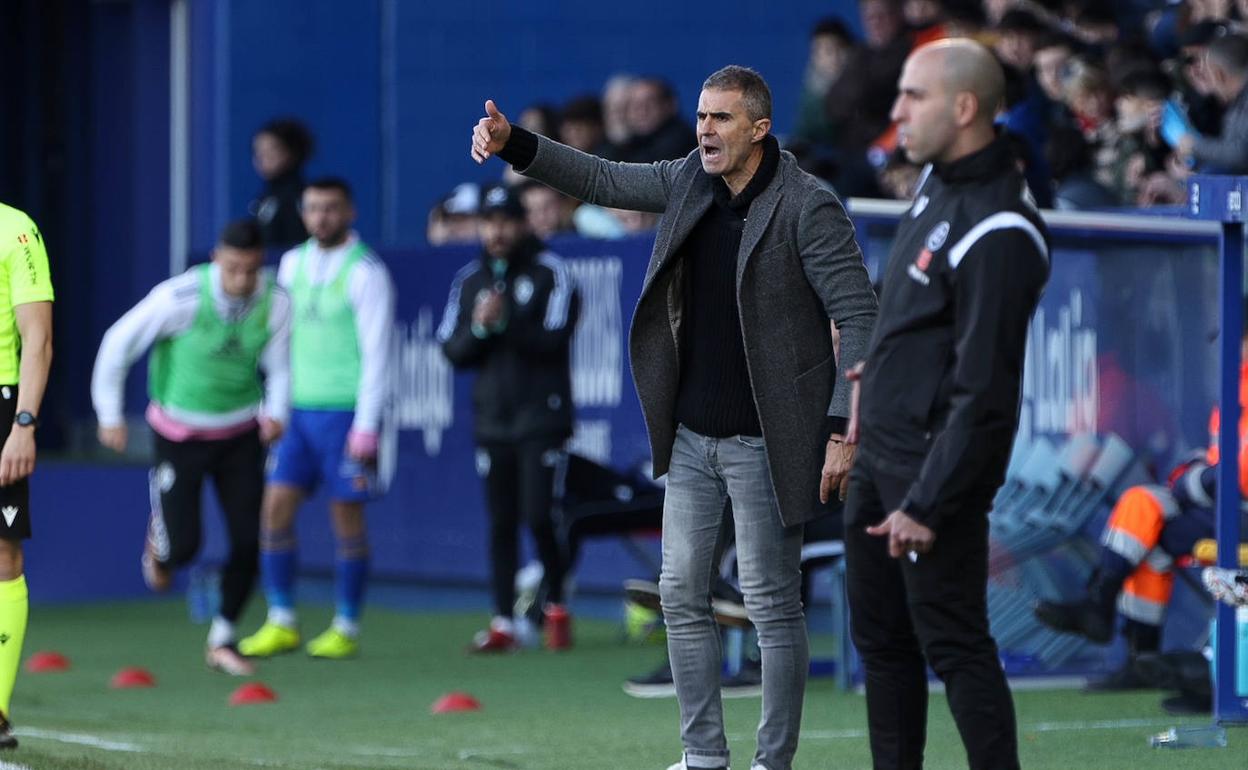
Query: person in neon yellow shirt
x=25, y=354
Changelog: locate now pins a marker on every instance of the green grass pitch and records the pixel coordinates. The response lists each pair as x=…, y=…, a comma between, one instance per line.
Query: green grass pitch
x=540, y=709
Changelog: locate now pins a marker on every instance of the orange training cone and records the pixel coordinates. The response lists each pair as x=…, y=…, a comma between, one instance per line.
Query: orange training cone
x=44, y=662
x=455, y=701
x=134, y=676
x=252, y=692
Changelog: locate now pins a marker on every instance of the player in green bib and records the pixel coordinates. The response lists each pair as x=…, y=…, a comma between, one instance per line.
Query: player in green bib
x=340, y=353
x=212, y=331
x=25, y=354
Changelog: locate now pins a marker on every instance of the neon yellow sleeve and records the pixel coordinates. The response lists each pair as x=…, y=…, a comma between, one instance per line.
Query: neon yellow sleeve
x=27, y=263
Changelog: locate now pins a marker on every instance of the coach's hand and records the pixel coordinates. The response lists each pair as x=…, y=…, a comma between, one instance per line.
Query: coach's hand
x=904, y=534
x=491, y=133
x=17, y=461
x=838, y=459
x=114, y=437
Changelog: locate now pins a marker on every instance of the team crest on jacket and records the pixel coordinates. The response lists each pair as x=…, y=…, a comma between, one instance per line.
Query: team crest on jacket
x=524, y=290
x=936, y=237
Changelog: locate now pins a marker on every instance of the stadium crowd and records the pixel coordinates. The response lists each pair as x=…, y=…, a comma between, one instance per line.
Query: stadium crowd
x=1109, y=104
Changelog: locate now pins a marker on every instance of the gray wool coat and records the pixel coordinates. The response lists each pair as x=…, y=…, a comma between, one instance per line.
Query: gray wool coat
x=798, y=267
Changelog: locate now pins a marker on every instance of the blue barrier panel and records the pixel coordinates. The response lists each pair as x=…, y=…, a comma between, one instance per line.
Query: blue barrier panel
x=1121, y=345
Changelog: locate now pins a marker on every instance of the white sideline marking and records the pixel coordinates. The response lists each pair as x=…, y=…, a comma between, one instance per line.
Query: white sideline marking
x=1101, y=724
x=80, y=739
x=1037, y=727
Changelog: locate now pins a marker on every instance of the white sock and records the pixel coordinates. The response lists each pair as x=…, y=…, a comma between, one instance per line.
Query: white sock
x=282, y=616
x=221, y=633
x=348, y=628
x=503, y=625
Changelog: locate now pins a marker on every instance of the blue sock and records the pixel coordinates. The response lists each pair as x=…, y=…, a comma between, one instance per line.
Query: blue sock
x=277, y=566
x=351, y=574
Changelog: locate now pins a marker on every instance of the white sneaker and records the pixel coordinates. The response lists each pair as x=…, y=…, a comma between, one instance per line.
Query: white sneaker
x=682, y=766
x=227, y=660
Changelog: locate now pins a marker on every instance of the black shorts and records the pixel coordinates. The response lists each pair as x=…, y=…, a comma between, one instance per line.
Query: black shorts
x=14, y=498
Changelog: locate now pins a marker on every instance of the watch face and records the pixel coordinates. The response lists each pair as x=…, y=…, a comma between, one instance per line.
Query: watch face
x=25, y=418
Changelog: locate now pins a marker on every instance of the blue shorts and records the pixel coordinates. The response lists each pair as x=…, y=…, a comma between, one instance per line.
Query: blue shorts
x=314, y=449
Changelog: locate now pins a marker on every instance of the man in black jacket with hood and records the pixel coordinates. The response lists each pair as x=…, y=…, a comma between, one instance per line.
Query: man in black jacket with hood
x=940, y=393
x=510, y=315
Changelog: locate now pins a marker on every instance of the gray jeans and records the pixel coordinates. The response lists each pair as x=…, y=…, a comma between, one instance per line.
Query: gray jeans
x=704, y=471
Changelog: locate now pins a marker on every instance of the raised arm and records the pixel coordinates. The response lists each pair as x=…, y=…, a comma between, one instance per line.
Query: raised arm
x=636, y=186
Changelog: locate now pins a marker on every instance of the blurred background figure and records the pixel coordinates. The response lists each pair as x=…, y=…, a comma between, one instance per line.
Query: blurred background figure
x=614, y=112
x=656, y=129
x=549, y=211
x=581, y=125
x=279, y=151
x=453, y=219
x=831, y=44
x=510, y=316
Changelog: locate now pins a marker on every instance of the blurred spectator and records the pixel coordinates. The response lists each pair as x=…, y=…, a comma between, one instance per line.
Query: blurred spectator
x=656, y=130
x=1191, y=75
x=1027, y=110
x=615, y=109
x=925, y=18
x=831, y=45
x=1088, y=95
x=548, y=211
x=454, y=218
x=1051, y=67
x=1226, y=66
x=1051, y=61
x=860, y=100
x=541, y=118
x=994, y=10
x=279, y=150
x=1070, y=163
x=1019, y=34
x=899, y=177
x=1140, y=151
x=580, y=125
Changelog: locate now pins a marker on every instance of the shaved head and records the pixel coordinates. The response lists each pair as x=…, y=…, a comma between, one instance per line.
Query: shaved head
x=966, y=66
x=948, y=96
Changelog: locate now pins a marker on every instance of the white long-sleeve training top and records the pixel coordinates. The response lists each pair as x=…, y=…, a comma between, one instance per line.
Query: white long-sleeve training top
x=169, y=310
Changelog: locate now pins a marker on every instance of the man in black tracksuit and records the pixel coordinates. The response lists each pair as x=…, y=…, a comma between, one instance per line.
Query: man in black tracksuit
x=939, y=400
x=511, y=315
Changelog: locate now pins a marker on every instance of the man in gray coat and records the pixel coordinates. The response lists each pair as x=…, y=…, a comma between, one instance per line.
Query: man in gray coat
x=734, y=364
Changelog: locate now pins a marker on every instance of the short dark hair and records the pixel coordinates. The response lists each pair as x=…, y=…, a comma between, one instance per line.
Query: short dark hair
x=293, y=135
x=582, y=109
x=242, y=234
x=1230, y=52
x=754, y=90
x=833, y=27
x=1146, y=83
x=332, y=183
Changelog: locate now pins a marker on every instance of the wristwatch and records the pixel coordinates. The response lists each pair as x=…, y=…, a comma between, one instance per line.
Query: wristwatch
x=25, y=420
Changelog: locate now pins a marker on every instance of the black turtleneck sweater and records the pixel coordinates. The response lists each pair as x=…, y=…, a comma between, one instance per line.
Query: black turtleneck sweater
x=715, y=397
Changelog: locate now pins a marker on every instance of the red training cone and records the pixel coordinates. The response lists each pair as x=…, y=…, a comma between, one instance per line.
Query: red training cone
x=455, y=701
x=252, y=692
x=132, y=677
x=43, y=662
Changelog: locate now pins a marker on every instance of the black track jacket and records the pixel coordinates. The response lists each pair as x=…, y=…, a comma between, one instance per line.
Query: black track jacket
x=524, y=387
x=943, y=377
